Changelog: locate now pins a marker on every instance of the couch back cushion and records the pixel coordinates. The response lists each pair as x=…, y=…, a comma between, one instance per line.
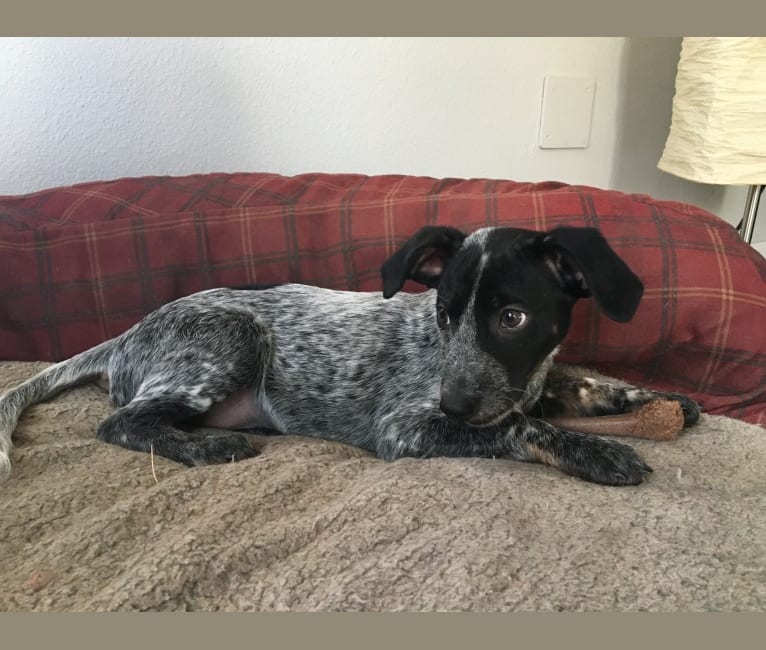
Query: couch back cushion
x=81, y=264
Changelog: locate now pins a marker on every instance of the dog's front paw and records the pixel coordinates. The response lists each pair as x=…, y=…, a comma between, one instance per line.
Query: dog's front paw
x=689, y=407
x=606, y=462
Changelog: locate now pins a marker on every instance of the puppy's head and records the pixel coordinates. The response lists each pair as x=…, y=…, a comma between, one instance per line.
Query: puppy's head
x=503, y=305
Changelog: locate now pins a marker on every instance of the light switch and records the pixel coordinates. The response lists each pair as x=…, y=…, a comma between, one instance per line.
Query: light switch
x=566, y=112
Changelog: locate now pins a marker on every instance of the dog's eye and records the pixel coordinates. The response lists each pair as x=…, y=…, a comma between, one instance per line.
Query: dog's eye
x=442, y=317
x=512, y=318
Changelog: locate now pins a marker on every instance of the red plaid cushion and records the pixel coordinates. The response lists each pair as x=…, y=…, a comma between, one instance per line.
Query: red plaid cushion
x=81, y=264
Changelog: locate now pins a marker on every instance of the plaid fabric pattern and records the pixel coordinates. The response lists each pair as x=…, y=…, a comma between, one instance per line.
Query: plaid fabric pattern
x=81, y=264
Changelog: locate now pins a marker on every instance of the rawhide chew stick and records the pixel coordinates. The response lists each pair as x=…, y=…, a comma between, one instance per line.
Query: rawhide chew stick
x=656, y=420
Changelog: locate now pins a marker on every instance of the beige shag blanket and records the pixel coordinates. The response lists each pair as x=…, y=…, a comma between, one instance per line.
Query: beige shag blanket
x=313, y=525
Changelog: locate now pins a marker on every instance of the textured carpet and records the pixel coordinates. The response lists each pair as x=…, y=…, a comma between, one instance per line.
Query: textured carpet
x=312, y=525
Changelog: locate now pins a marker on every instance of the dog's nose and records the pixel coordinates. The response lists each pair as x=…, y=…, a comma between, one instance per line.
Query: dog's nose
x=457, y=404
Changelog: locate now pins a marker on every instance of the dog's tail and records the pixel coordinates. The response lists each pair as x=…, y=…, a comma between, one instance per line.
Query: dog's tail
x=79, y=369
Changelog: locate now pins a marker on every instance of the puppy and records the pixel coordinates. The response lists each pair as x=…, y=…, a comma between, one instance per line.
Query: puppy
x=463, y=369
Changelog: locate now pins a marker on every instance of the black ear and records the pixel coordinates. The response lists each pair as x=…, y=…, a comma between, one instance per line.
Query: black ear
x=586, y=265
x=421, y=258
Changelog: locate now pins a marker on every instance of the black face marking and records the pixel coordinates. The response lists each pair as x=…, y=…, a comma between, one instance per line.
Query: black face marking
x=516, y=278
x=456, y=285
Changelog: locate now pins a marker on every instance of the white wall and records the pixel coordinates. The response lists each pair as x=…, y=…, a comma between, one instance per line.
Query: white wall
x=74, y=110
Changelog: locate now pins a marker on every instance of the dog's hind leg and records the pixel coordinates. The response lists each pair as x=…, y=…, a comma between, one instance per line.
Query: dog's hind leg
x=162, y=396
x=149, y=424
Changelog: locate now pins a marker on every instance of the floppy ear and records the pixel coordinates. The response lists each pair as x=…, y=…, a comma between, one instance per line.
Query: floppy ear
x=421, y=258
x=586, y=265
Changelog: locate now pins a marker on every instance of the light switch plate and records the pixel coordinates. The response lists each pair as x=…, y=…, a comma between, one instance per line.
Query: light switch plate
x=566, y=114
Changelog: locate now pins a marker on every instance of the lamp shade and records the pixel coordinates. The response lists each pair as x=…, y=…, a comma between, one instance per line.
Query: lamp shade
x=718, y=128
